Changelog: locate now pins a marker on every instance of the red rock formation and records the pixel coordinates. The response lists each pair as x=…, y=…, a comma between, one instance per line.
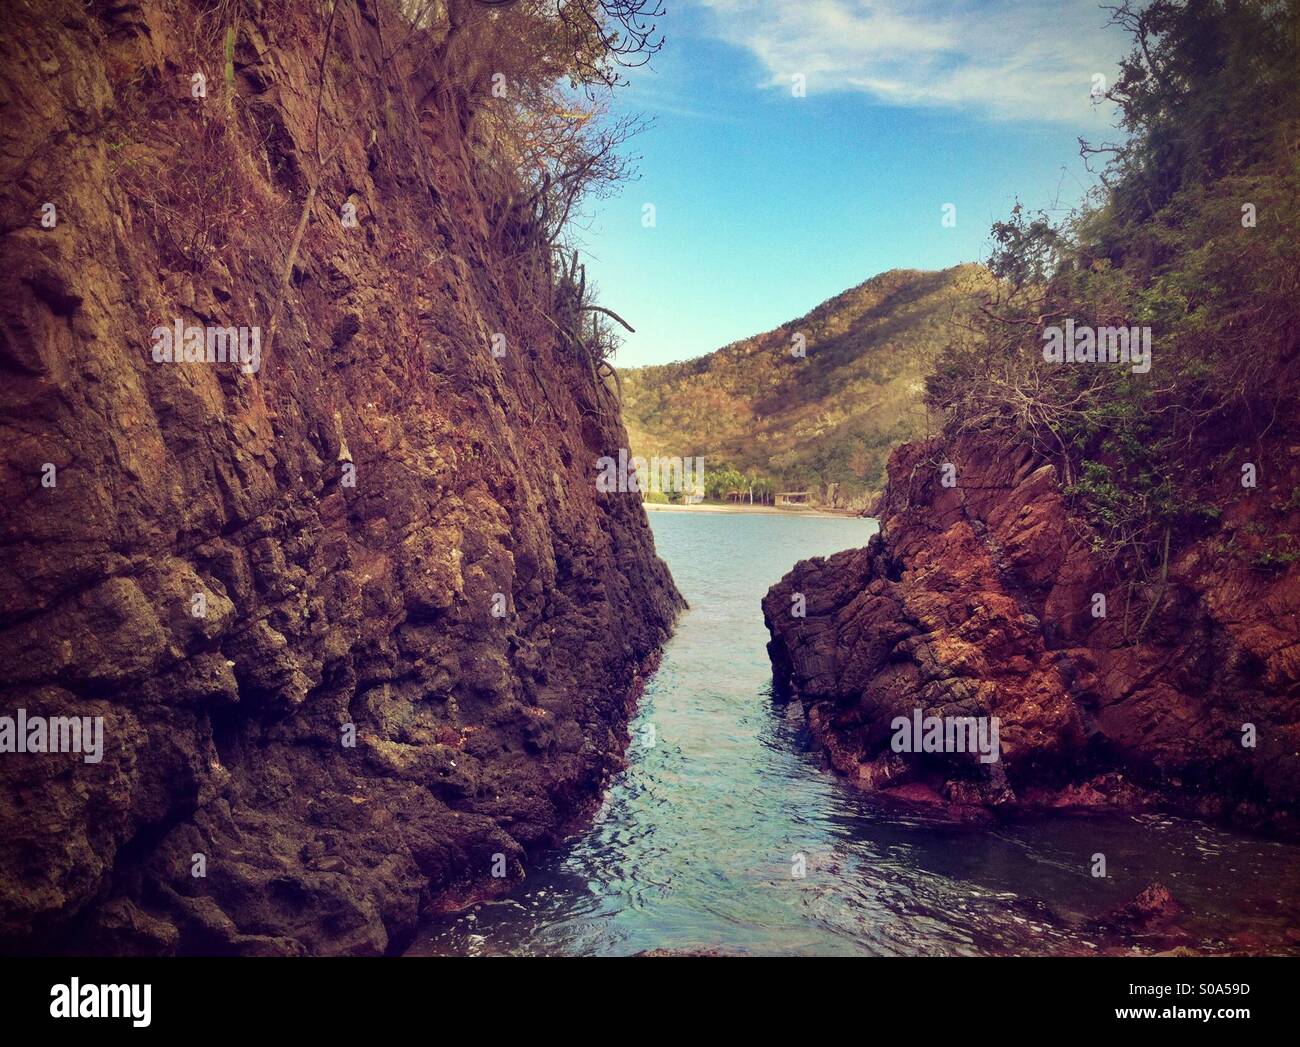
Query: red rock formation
x=976, y=599
x=328, y=604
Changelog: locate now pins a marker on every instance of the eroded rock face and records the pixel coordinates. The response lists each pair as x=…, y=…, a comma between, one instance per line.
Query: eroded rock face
x=977, y=600
x=185, y=551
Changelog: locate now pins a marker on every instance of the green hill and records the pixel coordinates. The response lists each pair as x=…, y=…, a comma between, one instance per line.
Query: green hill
x=829, y=417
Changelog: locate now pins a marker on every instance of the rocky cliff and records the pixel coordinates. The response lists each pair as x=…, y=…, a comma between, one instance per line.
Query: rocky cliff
x=979, y=598
x=359, y=626
x=1100, y=562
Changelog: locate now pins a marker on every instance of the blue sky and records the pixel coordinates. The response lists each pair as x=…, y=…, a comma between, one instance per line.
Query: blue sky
x=766, y=204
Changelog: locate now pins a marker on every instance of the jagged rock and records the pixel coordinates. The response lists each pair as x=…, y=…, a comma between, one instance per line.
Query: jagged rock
x=230, y=814
x=1152, y=909
x=977, y=600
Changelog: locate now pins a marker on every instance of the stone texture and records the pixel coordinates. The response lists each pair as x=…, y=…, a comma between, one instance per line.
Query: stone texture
x=327, y=605
x=977, y=600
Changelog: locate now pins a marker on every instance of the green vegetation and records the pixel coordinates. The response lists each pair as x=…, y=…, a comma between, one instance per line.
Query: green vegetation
x=229, y=65
x=761, y=415
x=1193, y=233
x=727, y=484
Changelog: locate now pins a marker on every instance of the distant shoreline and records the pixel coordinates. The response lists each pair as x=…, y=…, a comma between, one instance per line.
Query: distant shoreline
x=768, y=510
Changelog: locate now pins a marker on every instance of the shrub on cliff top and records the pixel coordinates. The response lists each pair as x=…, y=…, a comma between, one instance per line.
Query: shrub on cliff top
x=1192, y=233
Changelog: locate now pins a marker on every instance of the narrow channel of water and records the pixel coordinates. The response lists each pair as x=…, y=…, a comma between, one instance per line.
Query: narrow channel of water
x=694, y=847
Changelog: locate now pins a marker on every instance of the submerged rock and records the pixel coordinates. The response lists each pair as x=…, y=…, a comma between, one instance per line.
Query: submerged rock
x=1153, y=908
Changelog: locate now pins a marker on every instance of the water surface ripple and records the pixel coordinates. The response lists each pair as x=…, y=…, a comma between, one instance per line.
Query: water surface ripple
x=693, y=848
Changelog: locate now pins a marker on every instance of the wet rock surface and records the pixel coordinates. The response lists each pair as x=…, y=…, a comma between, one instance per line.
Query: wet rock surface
x=976, y=600
x=1154, y=907
x=347, y=735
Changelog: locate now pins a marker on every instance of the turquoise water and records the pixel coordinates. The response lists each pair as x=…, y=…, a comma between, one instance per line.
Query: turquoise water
x=695, y=845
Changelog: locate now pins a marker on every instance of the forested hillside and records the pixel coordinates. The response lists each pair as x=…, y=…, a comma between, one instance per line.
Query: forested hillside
x=819, y=400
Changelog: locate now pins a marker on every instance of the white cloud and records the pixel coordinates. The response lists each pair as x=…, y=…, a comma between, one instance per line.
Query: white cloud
x=1005, y=59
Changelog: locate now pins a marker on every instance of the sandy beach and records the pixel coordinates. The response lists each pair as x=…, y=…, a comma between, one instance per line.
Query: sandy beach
x=768, y=510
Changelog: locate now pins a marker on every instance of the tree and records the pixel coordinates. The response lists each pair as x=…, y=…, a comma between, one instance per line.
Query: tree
x=1211, y=105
